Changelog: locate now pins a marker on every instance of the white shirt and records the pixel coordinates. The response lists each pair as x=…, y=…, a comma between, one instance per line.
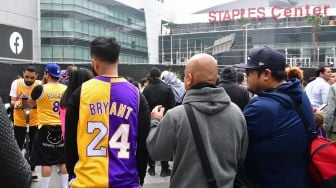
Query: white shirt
x=317, y=92
x=15, y=85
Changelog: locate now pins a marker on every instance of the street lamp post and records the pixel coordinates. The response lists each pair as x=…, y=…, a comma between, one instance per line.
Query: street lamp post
x=246, y=40
x=334, y=60
x=162, y=54
x=171, y=48
x=318, y=56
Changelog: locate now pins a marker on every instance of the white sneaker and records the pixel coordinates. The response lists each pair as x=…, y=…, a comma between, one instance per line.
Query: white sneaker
x=34, y=176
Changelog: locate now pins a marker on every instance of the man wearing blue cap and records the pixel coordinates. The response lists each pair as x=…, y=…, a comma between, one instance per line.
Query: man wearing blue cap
x=277, y=155
x=48, y=145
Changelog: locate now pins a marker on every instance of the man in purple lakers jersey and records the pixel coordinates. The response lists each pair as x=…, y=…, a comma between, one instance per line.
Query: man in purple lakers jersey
x=102, y=126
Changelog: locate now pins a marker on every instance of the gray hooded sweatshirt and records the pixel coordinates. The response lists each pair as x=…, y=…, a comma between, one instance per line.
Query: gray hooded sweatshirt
x=223, y=130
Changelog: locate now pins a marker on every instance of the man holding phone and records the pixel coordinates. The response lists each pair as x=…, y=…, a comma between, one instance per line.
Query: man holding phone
x=20, y=98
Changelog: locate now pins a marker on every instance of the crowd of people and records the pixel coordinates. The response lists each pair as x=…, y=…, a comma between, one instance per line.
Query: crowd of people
x=104, y=130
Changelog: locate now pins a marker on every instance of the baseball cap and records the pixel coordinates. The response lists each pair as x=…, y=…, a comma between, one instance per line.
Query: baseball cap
x=266, y=58
x=54, y=70
x=155, y=72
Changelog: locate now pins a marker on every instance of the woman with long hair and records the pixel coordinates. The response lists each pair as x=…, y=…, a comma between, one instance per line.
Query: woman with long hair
x=76, y=79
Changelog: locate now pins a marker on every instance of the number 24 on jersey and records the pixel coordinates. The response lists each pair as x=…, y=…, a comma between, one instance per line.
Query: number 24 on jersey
x=119, y=140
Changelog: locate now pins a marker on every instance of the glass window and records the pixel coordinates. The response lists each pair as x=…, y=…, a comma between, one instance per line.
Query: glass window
x=46, y=52
x=69, y=52
x=91, y=29
x=46, y=24
x=68, y=25
x=86, y=55
x=58, y=52
x=79, y=53
x=85, y=28
x=85, y=3
x=78, y=26
x=79, y=2
x=71, y=2
x=96, y=33
x=57, y=25
x=102, y=31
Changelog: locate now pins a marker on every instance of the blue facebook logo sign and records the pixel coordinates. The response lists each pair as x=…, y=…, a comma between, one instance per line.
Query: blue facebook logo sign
x=19, y=43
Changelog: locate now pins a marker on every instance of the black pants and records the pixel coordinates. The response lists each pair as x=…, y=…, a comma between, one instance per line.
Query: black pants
x=151, y=163
x=20, y=132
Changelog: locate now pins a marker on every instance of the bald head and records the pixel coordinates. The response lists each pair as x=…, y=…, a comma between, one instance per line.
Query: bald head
x=200, y=68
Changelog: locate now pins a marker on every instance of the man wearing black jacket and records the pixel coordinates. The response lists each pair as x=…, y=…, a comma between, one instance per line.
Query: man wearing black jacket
x=238, y=94
x=158, y=93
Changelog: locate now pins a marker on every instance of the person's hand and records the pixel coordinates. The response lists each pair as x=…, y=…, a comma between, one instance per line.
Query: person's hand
x=18, y=104
x=30, y=103
x=157, y=112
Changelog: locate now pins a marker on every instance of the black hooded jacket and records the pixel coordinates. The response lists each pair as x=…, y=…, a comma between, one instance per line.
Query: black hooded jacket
x=238, y=94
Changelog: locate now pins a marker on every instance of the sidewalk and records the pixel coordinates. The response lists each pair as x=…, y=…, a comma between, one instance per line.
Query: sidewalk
x=150, y=181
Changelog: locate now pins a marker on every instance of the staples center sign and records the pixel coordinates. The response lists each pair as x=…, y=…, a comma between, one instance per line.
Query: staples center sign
x=260, y=13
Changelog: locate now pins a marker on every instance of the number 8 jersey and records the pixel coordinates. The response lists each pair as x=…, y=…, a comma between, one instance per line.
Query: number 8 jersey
x=48, y=104
x=107, y=134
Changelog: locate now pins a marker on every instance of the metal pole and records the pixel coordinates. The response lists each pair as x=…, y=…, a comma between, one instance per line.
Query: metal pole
x=246, y=45
x=318, y=57
x=195, y=46
x=171, y=49
x=334, y=60
x=179, y=50
x=162, y=54
x=246, y=41
x=187, y=49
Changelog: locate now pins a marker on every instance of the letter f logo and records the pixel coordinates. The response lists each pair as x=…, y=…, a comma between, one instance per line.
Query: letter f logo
x=16, y=43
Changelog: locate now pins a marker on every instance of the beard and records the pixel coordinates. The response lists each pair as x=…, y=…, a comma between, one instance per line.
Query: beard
x=28, y=83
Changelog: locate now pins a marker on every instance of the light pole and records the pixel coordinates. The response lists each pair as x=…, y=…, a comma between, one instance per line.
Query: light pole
x=246, y=40
x=334, y=60
x=171, y=49
x=318, y=56
x=162, y=54
x=301, y=54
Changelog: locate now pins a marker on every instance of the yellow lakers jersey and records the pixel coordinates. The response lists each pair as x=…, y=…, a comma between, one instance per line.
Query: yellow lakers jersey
x=107, y=134
x=48, y=104
x=24, y=91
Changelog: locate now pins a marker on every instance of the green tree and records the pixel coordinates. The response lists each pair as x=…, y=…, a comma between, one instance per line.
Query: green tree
x=171, y=25
x=315, y=22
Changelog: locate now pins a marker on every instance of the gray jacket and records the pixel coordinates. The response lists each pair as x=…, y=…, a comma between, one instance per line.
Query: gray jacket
x=223, y=129
x=330, y=110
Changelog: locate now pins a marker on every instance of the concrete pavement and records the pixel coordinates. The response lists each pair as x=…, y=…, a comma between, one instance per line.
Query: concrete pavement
x=150, y=181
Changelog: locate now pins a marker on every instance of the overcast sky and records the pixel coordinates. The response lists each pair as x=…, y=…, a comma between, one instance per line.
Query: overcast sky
x=190, y=6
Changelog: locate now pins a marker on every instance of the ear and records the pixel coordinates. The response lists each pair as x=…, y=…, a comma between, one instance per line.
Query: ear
x=267, y=74
x=94, y=63
x=189, y=79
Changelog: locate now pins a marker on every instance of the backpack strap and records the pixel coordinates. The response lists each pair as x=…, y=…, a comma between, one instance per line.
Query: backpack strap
x=200, y=147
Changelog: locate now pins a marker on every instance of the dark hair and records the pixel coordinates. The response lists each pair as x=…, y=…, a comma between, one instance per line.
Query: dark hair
x=106, y=49
x=320, y=70
x=240, y=77
x=30, y=68
x=75, y=81
x=70, y=69
x=278, y=75
x=143, y=81
x=132, y=81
